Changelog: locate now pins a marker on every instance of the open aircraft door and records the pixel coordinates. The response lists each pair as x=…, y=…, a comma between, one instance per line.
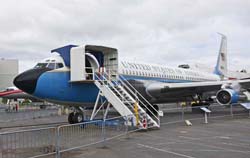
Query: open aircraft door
x=87, y=60
x=107, y=59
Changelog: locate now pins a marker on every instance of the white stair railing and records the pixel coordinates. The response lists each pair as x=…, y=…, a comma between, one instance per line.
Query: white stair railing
x=142, y=101
x=114, y=99
x=116, y=86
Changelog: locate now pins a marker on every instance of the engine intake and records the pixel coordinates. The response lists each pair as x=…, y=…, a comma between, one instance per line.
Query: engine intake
x=229, y=96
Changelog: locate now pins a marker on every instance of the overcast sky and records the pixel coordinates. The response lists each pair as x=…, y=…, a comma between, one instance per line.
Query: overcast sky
x=168, y=32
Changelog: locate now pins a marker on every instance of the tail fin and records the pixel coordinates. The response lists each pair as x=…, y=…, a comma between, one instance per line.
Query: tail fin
x=221, y=66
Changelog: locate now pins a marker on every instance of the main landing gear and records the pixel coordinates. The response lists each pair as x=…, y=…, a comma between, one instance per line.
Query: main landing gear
x=199, y=103
x=77, y=116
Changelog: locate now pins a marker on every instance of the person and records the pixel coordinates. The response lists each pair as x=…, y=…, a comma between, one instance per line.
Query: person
x=16, y=107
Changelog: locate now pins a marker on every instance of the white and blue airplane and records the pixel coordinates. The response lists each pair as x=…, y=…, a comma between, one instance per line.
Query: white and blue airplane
x=68, y=78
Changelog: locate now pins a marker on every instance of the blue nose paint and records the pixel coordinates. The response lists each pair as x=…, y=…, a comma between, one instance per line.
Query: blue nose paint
x=56, y=86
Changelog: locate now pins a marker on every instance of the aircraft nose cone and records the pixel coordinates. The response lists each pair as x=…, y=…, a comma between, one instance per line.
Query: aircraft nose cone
x=27, y=80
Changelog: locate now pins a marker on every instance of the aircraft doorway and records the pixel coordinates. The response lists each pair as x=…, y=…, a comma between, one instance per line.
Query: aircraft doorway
x=102, y=59
x=87, y=60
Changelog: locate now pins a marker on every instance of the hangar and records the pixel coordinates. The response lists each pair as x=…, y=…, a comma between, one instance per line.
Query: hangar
x=8, y=70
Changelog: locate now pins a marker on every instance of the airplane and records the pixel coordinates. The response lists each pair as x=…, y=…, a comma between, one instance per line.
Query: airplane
x=80, y=75
x=14, y=93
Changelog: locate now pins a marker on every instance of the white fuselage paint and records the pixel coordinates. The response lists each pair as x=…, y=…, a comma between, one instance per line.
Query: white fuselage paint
x=164, y=72
x=156, y=71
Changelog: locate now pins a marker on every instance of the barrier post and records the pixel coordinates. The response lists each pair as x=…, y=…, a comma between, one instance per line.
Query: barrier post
x=103, y=133
x=58, y=142
x=126, y=124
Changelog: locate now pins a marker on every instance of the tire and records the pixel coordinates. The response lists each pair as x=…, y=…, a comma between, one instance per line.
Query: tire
x=78, y=117
x=71, y=118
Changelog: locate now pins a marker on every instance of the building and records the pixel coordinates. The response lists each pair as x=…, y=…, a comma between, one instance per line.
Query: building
x=8, y=71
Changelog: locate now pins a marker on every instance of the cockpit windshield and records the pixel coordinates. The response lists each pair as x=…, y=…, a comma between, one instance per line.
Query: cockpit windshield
x=59, y=65
x=51, y=65
x=53, y=62
x=41, y=65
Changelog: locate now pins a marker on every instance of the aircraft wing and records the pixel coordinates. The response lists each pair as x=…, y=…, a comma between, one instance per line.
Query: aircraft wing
x=161, y=89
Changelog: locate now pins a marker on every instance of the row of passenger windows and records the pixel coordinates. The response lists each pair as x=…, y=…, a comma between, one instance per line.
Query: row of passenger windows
x=160, y=75
x=158, y=69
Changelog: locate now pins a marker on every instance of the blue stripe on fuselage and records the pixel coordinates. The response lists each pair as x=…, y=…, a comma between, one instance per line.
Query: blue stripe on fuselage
x=130, y=77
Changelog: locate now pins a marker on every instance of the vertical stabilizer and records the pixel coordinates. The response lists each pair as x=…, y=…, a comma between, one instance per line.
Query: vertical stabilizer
x=221, y=65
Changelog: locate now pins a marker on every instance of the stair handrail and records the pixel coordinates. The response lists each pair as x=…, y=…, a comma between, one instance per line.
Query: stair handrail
x=135, y=91
x=143, y=104
x=110, y=83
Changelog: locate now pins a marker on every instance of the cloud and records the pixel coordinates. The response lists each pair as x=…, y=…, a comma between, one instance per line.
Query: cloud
x=164, y=31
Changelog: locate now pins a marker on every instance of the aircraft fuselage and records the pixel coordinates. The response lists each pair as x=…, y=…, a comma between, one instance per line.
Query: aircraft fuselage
x=55, y=86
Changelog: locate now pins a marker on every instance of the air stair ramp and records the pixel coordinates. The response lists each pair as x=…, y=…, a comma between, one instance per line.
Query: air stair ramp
x=127, y=101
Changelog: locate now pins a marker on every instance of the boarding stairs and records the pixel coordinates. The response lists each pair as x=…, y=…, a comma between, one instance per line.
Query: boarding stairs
x=128, y=101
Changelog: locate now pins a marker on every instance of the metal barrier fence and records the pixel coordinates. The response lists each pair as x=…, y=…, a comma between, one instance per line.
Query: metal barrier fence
x=182, y=113
x=57, y=141
x=28, y=143
x=61, y=141
x=72, y=137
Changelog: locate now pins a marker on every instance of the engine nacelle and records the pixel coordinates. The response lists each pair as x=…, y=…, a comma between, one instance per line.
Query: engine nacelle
x=229, y=96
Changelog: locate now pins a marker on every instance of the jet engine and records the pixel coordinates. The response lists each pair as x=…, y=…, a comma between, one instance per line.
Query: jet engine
x=229, y=96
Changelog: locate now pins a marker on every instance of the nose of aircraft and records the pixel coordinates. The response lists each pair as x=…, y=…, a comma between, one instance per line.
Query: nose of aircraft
x=27, y=80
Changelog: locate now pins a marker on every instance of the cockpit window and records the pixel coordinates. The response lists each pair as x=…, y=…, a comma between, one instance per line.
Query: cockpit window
x=51, y=65
x=59, y=65
x=41, y=65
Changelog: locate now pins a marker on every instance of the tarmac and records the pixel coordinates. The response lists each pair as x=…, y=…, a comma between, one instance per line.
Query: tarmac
x=224, y=137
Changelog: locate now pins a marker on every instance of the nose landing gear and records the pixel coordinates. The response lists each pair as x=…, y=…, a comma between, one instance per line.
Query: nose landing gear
x=77, y=116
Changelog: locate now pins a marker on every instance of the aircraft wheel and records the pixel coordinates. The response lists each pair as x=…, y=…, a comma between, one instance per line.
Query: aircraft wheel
x=71, y=118
x=78, y=117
